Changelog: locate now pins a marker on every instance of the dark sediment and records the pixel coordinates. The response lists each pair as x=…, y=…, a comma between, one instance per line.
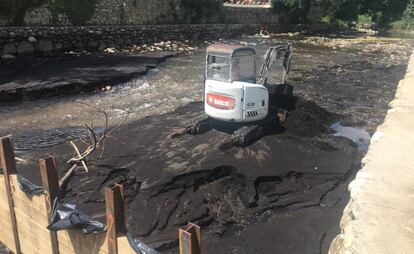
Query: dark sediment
x=33, y=78
x=242, y=197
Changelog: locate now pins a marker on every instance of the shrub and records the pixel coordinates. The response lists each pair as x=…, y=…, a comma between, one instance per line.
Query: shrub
x=295, y=11
x=346, y=10
x=15, y=10
x=409, y=11
x=364, y=20
x=384, y=11
x=336, y=24
x=191, y=12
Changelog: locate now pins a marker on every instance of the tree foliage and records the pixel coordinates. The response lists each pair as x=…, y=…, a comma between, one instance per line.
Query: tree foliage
x=347, y=10
x=384, y=11
x=190, y=11
x=15, y=10
x=78, y=11
x=295, y=11
x=409, y=11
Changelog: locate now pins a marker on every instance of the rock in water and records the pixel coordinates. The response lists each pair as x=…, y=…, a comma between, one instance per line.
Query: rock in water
x=25, y=48
x=7, y=57
x=9, y=49
x=31, y=39
x=45, y=45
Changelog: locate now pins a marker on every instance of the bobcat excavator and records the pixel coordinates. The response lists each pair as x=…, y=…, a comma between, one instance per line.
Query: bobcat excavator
x=235, y=95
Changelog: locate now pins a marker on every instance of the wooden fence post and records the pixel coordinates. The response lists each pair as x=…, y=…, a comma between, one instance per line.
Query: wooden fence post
x=190, y=239
x=8, y=164
x=51, y=185
x=115, y=216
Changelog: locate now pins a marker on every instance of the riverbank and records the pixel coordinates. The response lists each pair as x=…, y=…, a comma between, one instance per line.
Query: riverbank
x=378, y=218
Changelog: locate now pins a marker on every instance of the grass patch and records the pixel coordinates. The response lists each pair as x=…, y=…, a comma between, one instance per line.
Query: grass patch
x=334, y=23
x=365, y=20
x=403, y=24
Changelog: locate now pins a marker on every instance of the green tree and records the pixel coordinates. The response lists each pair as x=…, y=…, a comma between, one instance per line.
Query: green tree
x=78, y=11
x=347, y=10
x=295, y=11
x=15, y=10
x=409, y=11
x=384, y=11
x=191, y=12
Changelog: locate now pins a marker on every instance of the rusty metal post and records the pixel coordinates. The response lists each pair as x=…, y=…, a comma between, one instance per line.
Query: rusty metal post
x=8, y=164
x=115, y=216
x=50, y=182
x=190, y=239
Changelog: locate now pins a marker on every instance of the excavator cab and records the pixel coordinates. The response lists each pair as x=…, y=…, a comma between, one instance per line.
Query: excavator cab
x=229, y=63
x=234, y=92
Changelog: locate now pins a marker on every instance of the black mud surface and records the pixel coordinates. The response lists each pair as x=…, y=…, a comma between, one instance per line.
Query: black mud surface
x=35, y=77
x=245, y=199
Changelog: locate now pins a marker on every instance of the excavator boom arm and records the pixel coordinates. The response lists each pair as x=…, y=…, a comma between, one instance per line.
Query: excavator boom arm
x=273, y=53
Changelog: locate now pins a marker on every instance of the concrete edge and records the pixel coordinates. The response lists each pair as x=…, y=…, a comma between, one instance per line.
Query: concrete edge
x=377, y=217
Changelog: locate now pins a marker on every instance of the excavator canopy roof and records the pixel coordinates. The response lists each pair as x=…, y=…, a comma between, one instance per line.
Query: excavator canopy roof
x=227, y=49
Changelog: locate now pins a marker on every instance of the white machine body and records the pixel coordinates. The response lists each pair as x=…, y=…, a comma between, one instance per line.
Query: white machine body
x=233, y=91
x=235, y=102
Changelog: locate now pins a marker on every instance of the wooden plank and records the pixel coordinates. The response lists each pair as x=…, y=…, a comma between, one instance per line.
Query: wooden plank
x=36, y=201
x=34, y=212
x=29, y=224
x=124, y=247
x=32, y=234
x=51, y=185
x=8, y=164
x=31, y=244
x=6, y=229
x=115, y=216
x=79, y=243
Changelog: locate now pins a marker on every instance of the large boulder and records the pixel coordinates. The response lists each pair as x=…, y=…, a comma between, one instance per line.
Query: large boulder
x=8, y=57
x=31, y=39
x=9, y=49
x=25, y=48
x=45, y=45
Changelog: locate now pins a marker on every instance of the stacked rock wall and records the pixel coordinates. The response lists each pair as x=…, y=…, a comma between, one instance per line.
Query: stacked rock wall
x=250, y=15
x=24, y=40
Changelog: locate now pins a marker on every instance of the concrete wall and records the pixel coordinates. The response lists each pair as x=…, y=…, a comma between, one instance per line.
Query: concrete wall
x=379, y=218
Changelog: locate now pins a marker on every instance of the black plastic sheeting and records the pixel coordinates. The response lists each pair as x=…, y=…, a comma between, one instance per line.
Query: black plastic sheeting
x=27, y=187
x=139, y=246
x=65, y=216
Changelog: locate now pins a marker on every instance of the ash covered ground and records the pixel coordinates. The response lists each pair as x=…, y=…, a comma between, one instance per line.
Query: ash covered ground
x=283, y=194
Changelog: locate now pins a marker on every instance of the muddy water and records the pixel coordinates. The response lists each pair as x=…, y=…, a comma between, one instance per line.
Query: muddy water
x=350, y=76
x=284, y=194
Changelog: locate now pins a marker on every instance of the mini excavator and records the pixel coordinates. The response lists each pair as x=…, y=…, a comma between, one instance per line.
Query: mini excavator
x=235, y=94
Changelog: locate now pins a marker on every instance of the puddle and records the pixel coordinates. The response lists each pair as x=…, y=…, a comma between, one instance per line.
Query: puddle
x=357, y=135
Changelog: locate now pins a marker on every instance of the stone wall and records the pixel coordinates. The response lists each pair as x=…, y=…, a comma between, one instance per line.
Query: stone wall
x=250, y=15
x=26, y=40
x=107, y=12
x=143, y=12
x=113, y=12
